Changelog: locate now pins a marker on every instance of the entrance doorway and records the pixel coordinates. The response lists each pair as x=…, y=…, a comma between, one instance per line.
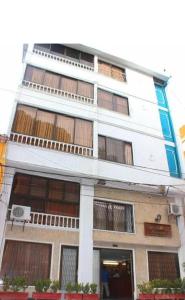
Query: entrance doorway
x=116, y=274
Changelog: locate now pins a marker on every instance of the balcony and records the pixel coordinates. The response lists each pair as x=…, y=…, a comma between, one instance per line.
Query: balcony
x=49, y=221
x=57, y=92
x=50, y=144
x=62, y=59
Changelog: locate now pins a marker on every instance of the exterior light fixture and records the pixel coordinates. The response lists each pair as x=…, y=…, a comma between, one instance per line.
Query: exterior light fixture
x=158, y=218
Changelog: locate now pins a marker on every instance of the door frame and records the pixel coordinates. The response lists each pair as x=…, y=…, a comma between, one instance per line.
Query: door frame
x=133, y=264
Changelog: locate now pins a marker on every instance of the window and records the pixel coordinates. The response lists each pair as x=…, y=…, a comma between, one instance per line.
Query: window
x=163, y=265
x=58, y=49
x=113, y=102
x=47, y=125
x=161, y=96
x=57, y=81
x=69, y=265
x=166, y=125
x=46, y=195
x=113, y=216
x=115, y=150
x=172, y=161
x=111, y=71
x=31, y=260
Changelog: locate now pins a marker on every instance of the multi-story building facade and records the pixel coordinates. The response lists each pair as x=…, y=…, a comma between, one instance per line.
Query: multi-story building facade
x=92, y=151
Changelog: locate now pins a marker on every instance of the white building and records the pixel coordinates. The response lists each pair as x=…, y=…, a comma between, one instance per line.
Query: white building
x=92, y=151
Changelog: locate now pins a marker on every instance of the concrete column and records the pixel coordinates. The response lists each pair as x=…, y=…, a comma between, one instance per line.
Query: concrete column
x=95, y=139
x=4, y=202
x=181, y=227
x=95, y=63
x=85, y=258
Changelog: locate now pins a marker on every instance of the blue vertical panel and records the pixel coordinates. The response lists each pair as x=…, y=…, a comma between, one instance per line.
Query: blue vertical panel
x=172, y=161
x=166, y=125
x=161, y=96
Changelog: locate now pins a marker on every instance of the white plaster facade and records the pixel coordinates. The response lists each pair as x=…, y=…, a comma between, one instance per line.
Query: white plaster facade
x=142, y=128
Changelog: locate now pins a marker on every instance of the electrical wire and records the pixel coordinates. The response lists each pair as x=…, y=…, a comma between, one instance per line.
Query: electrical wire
x=102, y=113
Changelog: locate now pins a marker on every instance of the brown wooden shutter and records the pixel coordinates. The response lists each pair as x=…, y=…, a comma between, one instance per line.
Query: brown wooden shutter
x=163, y=265
x=128, y=153
x=30, y=260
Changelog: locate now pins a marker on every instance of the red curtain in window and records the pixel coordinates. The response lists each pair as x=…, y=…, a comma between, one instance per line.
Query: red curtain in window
x=30, y=260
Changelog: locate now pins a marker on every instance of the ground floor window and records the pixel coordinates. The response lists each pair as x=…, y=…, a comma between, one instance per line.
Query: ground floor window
x=163, y=265
x=69, y=265
x=31, y=260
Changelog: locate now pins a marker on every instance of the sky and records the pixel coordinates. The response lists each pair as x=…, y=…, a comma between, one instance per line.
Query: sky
x=148, y=32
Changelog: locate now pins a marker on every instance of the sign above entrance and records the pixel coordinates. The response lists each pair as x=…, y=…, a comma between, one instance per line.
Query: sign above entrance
x=160, y=230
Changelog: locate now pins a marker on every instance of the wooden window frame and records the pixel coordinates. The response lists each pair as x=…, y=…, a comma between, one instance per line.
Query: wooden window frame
x=112, y=66
x=39, y=46
x=111, y=226
x=33, y=242
x=114, y=102
x=28, y=198
x=60, y=80
x=54, y=124
x=124, y=142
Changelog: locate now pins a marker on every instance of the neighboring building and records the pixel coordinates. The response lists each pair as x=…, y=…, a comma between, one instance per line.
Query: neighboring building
x=92, y=151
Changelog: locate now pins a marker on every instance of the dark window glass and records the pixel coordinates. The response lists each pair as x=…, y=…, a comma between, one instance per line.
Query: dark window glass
x=73, y=53
x=29, y=260
x=42, y=47
x=113, y=216
x=57, y=49
x=86, y=58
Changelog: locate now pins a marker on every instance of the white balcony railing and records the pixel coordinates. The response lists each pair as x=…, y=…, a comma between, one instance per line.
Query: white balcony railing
x=48, y=220
x=57, y=92
x=50, y=144
x=63, y=59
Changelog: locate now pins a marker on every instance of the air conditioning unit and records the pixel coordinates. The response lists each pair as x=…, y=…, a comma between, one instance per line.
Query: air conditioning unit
x=174, y=209
x=20, y=213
